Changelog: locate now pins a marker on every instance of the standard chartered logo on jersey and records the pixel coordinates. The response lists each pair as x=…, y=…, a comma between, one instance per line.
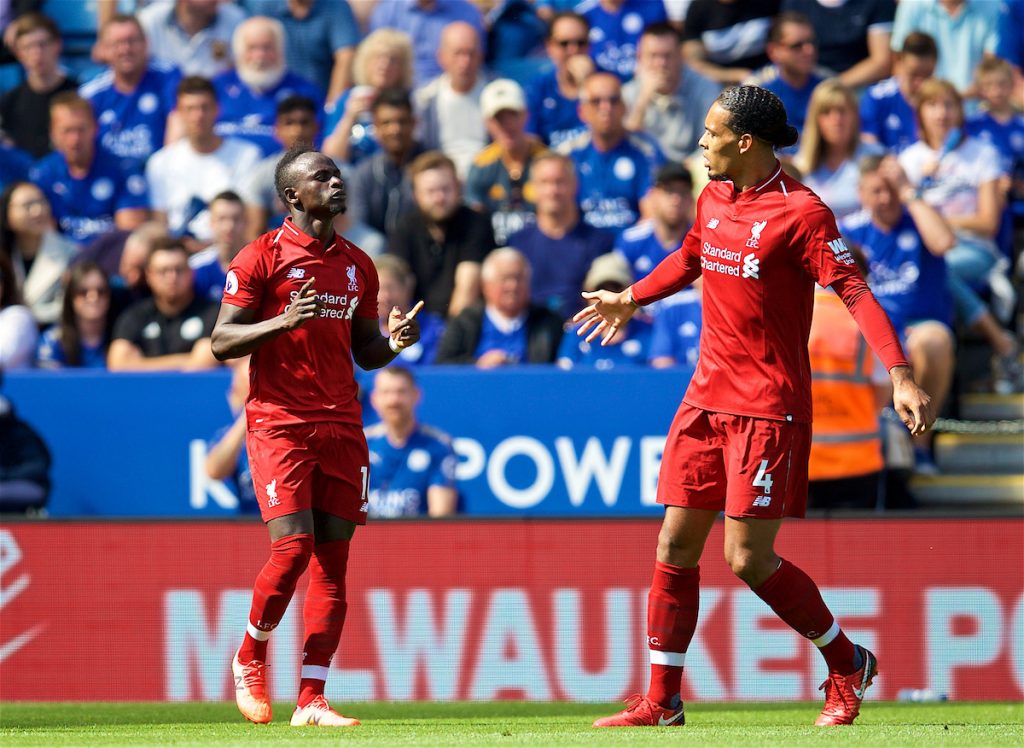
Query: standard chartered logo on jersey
x=334, y=307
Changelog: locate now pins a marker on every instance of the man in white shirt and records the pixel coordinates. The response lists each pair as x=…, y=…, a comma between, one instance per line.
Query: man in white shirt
x=185, y=175
x=192, y=35
x=448, y=108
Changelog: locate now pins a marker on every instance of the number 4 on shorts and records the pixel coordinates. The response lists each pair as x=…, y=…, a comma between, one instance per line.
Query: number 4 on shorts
x=763, y=479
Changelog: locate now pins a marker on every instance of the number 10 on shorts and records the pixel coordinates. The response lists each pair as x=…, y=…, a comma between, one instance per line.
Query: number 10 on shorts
x=763, y=479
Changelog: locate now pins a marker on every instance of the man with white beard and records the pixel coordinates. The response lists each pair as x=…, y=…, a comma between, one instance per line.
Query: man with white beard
x=248, y=95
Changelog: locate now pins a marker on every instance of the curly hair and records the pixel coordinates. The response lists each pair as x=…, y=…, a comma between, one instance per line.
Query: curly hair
x=758, y=112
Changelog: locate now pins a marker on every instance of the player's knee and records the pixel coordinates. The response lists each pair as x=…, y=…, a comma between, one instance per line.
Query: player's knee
x=748, y=565
x=291, y=555
x=674, y=549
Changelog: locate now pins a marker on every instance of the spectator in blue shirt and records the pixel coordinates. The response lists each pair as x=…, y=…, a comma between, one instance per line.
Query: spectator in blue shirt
x=887, y=117
x=506, y=329
x=423, y=21
x=226, y=457
x=133, y=98
x=615, y=167
x=383, y=61
x=396, y=286
x=1002, y=127
x=629, y=346
x=248, y=95
x=675, y=340
x=560, y=246
x=321, y=39
x=615, y=28
x=552, y=96
x=227, y=226
x=793, y=73
x=89, y=195
x=671, y=204
x=1011, y=36
x=81, y=337
x=903, y=239
x=412, y=465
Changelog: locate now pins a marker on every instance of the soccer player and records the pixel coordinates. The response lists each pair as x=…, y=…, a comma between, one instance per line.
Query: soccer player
x=741, y=436
x=303, y=301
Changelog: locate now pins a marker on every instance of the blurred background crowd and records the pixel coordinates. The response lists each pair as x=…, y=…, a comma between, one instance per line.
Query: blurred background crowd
x=501, y=156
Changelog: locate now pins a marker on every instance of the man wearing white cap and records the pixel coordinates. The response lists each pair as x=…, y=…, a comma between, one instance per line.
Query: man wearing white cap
x=498, y=178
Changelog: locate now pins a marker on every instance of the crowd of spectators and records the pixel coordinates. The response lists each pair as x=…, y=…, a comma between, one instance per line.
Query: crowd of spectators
x=501, y=156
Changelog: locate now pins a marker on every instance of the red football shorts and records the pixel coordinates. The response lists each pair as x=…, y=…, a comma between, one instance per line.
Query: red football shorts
x=748, y=467
x=322, y=466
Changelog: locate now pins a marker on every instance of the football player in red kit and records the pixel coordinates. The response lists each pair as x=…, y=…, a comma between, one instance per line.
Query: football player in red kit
x=741, y=437
x=303, y=301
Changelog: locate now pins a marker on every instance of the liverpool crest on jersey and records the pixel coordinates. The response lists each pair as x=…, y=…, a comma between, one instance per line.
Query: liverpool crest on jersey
x=755, y=233
x=353, y=285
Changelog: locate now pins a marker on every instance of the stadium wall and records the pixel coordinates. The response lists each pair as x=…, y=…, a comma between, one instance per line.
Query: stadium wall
x=515, y=609
x=535, y=441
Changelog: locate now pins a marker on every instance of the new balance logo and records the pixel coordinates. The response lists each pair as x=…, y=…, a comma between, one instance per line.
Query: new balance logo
x=272, y=499
x=763, y=501
x=751, y=266
x=841, y=251
x=298, y=273
x=713, y=223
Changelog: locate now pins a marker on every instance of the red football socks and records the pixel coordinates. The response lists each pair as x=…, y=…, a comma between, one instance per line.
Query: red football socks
x=272, y=592
x=672, y=606
x=795, y=599
x=323, y=615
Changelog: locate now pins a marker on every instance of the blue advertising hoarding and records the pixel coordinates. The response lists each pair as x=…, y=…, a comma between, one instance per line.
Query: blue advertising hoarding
x=532, y=441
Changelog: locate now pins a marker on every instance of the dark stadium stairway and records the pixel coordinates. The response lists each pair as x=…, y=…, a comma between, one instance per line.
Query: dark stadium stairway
x=980, y=455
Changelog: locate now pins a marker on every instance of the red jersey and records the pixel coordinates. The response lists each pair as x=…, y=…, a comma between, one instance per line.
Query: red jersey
x=760, y=253
x=305, y=375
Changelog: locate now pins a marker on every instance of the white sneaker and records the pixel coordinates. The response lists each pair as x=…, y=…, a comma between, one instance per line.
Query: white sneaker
x=319, y=713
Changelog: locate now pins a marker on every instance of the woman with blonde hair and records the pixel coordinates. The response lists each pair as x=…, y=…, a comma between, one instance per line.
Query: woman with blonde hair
x=382, y=60
x=962, y=178
x=830, y=147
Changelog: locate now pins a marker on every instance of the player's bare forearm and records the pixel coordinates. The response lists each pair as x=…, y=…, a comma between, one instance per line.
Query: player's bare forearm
x=236, y=334
x=373, y=354
x=371, y=350
x=237, y=339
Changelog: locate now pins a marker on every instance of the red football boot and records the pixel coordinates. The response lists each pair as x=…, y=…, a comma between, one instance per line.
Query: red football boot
x=642, y=712
x=844, y=693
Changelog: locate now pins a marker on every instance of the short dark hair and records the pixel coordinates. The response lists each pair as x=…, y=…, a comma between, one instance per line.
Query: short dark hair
x=430, y=160
x=228, y=196
x=166, y=244
x=660, y=28
x=565, y=14
x=401, y=372
x=920, y=44
x=295, y=103
x=392, y=96
x=123, y=18
x=284, y=174
x=757, y=111
x=196, y=84
x=789, y=16
x=29, y=22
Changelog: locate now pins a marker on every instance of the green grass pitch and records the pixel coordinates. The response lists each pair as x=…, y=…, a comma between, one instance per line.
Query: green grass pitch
x=509, y=723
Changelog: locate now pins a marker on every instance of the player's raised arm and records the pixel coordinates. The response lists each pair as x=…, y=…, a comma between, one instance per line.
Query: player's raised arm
x=236, y=335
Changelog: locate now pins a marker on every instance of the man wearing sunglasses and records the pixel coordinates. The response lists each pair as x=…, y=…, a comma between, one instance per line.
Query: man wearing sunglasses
x=793, y=72
x=551, y=97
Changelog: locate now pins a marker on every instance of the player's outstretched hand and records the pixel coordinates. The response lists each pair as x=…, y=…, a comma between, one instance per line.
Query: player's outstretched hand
x=608, y=311
x=913, y=404
x=404, y=328
x=303, y=308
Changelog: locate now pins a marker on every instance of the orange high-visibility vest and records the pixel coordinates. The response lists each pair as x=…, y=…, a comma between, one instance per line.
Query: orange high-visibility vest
x=846, y=438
